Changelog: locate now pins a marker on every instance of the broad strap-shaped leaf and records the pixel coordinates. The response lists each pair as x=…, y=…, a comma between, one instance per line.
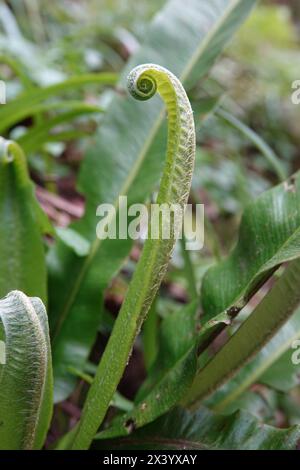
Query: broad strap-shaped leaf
x=22, y=257
x=26, y=375
x=186, y=37
x=272, y=365
x=269, y=236
x=265, y=321
x=204, y=430
x=169, y=377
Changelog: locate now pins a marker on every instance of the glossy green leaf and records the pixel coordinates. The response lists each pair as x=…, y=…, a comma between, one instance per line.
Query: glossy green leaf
x=22, y=223
x=26, y=375
x=272, y=365
x=203, y=430
x=126, y=158
x=265, y=321
x=269, y=236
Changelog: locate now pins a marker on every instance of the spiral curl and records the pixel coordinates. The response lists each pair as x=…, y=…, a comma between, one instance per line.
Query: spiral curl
x=141, y=85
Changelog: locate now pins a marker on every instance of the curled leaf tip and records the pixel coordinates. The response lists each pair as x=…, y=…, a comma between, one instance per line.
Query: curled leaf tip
x=141, y=83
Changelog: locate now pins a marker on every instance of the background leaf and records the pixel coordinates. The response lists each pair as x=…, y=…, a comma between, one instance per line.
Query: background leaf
x=29, y=102
x=272, y=366
x=274, y=310
x=22, y=223
x=269, y=235
x=203, y=430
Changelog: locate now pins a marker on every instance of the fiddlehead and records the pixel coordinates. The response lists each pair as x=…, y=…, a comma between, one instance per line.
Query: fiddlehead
x=143, y=82
x=141, y=85
x=175, y=184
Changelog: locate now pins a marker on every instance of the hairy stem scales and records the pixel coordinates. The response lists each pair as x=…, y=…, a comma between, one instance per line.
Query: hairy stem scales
x=175, y=184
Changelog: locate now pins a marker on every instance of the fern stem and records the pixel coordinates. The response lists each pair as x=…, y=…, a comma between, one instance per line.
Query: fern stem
x=143, y=82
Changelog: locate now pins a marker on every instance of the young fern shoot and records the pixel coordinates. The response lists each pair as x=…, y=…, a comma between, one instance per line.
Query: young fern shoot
x=143, y=82
x=26, y=375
